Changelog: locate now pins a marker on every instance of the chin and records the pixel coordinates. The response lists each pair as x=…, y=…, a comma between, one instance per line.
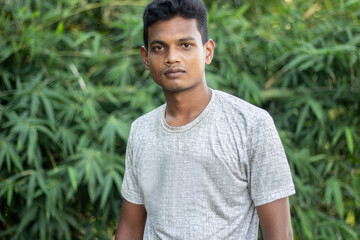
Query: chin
x=173, y=86
x=175, y=89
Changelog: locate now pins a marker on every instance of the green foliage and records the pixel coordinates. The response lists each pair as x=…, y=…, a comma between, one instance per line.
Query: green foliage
x=69, y=71
x=301, y=63
x=72, y=81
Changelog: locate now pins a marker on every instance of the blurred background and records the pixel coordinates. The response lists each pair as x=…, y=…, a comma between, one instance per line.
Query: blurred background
x=72, y=81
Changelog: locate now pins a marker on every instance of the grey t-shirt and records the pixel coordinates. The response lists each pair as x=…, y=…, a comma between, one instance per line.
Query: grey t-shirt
x=204, y=179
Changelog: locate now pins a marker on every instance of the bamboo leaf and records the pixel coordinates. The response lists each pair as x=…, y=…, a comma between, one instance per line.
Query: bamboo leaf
x=301, y=121
x=48, y=108
x=96, y=44
x=10, y=193
x=98, y=171
x=60, y=219
x=35, y=103
x=122, y=129
x=6, y=53
x=69, y=140
x=337, y=136
x=60, y=28
x=89, y=110
x=118, y=181
x=304, y=220
x=83, y=38
x=32, y=146
x=47, y=132
x=42, y=225
x=108, y=134
x=72, y=221
x=317, y=110
x=29, y=215
x=329, y=190
x=92, y=188
x=73, y=177
x=338, y=198
x=353, y=234
x=297, y=60
x=2, y=152
x=8, y=152
x=107, y=187
x=349, y=139
x=50, y=201
x=30, y=190
x=41, y=180
x=307, y=64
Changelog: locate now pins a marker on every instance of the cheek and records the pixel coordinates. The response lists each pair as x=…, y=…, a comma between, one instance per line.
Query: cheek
x=155, y=69
x=200, y=56
x=154, y=64
x=198, y=61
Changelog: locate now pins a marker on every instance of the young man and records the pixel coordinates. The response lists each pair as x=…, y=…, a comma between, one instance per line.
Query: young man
x=205, y=165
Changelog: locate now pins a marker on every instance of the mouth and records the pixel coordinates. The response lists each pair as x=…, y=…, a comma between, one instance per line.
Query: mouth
x=174, y=72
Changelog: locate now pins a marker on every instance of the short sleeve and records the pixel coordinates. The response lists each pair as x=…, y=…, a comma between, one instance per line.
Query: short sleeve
x=130, y=188
x=270, y=177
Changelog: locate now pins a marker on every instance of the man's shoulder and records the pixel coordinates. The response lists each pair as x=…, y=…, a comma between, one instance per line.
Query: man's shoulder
x=237, y=106
x=148, y=119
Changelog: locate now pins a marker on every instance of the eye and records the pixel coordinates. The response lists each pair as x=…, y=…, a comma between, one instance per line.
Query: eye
x=157, y=48
x=186, y=45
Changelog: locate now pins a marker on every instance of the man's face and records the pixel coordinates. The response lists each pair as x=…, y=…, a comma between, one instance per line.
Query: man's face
x=176, y=56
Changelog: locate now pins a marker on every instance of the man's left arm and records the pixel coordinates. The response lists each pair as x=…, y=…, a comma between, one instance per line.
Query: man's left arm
x=275, y=220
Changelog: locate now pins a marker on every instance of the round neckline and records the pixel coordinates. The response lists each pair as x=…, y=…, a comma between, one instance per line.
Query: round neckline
x=191, y=124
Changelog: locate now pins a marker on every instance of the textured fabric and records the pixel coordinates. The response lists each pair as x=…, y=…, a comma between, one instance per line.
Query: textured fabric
x=204, y=179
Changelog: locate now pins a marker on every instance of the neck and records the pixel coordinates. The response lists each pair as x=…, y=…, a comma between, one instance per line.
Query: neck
x=184, y=106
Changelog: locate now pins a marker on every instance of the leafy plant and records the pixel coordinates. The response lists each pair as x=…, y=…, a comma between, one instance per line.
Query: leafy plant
x=72, y=81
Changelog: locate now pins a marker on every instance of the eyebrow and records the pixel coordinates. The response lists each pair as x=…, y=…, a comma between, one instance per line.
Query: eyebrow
x=180, y=40
x=155, y=42
x=187, y=39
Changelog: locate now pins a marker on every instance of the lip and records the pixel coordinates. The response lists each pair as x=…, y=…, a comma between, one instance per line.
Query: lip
x=173, y=72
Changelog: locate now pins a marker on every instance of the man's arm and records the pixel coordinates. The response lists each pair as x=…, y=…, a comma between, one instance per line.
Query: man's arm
x=132, y=222
x=275, y=220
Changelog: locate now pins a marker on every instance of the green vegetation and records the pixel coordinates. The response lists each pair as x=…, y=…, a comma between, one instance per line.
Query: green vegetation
x=72, y=81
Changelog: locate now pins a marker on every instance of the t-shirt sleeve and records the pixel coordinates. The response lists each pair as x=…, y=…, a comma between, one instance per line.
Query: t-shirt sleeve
x=130, y=188
x=270, y=177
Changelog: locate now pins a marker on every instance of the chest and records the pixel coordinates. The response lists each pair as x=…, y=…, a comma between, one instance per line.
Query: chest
x=193, y=165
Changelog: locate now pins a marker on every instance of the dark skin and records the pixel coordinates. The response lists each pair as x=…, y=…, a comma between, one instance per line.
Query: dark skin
x=132, y=222
x=275, y=220
x=176, y=58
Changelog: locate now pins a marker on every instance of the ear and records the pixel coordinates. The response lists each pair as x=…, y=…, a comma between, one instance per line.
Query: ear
x=209, y=51
x=144, y=56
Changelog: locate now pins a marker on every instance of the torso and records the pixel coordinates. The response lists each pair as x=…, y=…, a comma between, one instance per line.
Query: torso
x=195, y=179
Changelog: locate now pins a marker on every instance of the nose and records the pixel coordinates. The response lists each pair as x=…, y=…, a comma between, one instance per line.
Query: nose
x=173, y=56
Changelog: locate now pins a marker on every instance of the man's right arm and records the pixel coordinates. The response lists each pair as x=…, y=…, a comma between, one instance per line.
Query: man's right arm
x=132, y=222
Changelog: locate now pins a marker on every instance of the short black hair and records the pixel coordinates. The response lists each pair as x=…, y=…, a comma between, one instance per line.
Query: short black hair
x=158, y=10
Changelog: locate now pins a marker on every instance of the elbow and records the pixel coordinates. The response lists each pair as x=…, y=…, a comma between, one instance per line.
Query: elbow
x=289, y=235
x=284, y=234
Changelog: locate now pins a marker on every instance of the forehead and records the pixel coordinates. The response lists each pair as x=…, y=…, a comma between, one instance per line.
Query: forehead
x=174, y=29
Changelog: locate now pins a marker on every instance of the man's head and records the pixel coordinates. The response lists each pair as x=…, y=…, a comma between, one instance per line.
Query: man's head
x=167, y=9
